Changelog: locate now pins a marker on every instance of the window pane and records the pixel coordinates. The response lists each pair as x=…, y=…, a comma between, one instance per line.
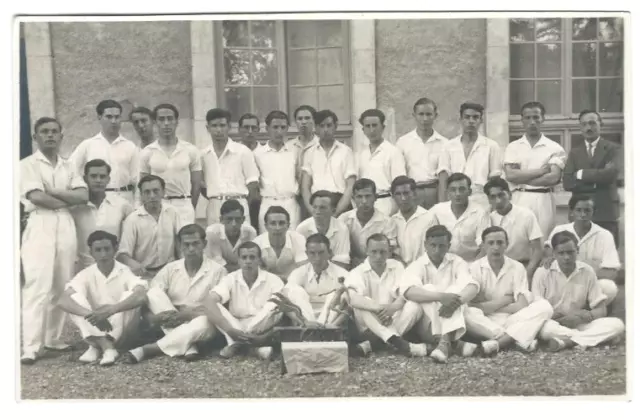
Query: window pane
x=301, y=33
x=265, y=68
x=611, y=58
x=583, y=94
x=302, y=67
x=576, y=140
x=265, y=100
x=520, y=92
x=514, y=137
x=614, y=137
x=521, y=29
x=548, y=30
x=611, y=95
x=236, y=67
x=329, y=33
x=330, y=66
x=584, y=59
x=238, y=101
x=555, y=137
x=263, y=33
x=549, y=60
x=585, y=29
x=550, y=94
x=302, y=96
x=235, y=33
x=611, y=29
x=332, y=97
x=521, y=61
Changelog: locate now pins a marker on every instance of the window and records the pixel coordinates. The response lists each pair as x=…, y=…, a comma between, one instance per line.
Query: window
x=269, y=65
x=568, y=65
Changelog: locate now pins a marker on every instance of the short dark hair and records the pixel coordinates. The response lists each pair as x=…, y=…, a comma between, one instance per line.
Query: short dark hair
x=247, y=116
x=165, y=106
x=318, y=238
x=190, y=229
x=141, y=110
x=575, y=199
x=277, y=210
x=458, y=176
x=425, y=101
x=321, y=194
x=44, y=120
x=363, y=183
x=250, y=245
x=320, y=116
x=589, y=111
x=378, y=237
x=215, y=113
x=150, y=178
x=309, y=108
x=372, y=113
x=533, y=105
x=106, y=104
x=229, y=206
x=563, y=237
x=494, y=229
x=99, y=235
x=438, y=231
x=471, y=105
x=496, y=182
x=96, y=163
x=403, y=180
x=273, y=115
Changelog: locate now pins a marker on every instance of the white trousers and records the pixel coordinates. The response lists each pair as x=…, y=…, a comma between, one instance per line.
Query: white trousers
x=213, y=210
x=609, y=288
x=543, y=205
x=402, y=321
x=267, y=318
x=186, y=212
x=386, y=206
x=289, y=204
x=49, y=247
x=437, y=324
x=523, y=326
x=177, y=341
x=311, y=312
x=595, y=332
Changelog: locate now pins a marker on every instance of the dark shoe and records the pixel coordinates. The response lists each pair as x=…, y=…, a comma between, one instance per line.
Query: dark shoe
x=128, y=359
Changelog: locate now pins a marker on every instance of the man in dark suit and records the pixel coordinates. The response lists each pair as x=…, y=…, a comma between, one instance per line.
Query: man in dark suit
x=592, y=168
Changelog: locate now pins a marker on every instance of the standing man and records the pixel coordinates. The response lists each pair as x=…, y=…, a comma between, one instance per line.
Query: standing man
x=49, y=185
x=248, y=128
x=381, y=161
x=120, y=153
x=307, y=138
x=470, y=153
x=277, y=162
x=142, y=120
x=176, y=161
x=533, y=165
x=421, y=149
x=592, y=169
x=328, y=166
x=229, y=169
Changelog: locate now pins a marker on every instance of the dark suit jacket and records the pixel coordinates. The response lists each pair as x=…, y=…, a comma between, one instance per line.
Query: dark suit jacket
x=597, y=182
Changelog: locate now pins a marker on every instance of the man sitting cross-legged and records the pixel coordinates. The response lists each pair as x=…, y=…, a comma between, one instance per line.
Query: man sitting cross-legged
x=251, y=316
x=441, y=283
x=501, y=312
x=579, y=304
x=104, y=300
x=175, y=299
x=377, y=305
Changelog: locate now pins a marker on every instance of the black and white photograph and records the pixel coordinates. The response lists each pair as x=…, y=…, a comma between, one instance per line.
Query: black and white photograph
x=322, y=205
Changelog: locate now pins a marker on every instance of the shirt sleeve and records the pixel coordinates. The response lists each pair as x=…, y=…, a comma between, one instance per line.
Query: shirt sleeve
x=390, y=230
x=595, y=295
x=218, y=275
x=444, y=161
x=475, y=270
x=128, y=237
x=223, y=288
x=296, y=277
x=342, y=246
x=412, y=276
x=160, y=280
x=79, y=283
x=30, y=179
x=349, y=164
x=132, y=281
x=249, y=167
x=610, y=259
x=213, y=250
x=195, y=163
x=511, y=155
x=78, y=157
x=134, y=166
x=559, y=158
x=355, y=280
x=495, y=160
x=521, y=284
x=398, y=167
x=538, y=286
x=76, y=180
x=299, y=251
x=533, y=227
x=483, y=223
x=145, y=156
x=462, y=275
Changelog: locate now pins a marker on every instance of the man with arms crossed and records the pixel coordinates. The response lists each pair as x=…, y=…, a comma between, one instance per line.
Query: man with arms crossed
x=303, y=117
x=248, y=127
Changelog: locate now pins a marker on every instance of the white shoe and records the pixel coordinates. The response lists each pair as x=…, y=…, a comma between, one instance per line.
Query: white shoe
x=439, y=356
x=419, y=349
x=28, y=358
x=530, y=349
x=91, y=355
x=466, y=349
x=264, y=353
x=555, y=344
x=109, y=357
x=365, y=348
x=490, y=347
x=191, y=350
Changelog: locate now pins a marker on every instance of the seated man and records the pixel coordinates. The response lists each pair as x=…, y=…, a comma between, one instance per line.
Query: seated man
x=314, y=287
x=251, y=316
x=366, y=220
x=501, y=312
x=377, y=305
x=442, y=284
x=322, y=221
x=223, y=239
x=282, y=249
x=148, y=234
x=104, y=300
x=579, y=304
x=175, y=299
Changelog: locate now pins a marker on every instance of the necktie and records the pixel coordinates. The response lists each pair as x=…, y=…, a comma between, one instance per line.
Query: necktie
x=590, y=149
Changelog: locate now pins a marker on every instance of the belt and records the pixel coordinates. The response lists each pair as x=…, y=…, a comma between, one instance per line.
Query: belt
x=226, y=197
x=427, y=184
x=279, y=197
x=129, y=187
x=176, y=197
x=535, y=190
x=383, y=195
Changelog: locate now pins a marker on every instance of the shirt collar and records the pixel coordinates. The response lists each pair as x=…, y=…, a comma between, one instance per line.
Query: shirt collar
x=448, y=258
x=179, y=145
x=506, y=267
x=336, y=144
x=142, y=211
x=118, y=139
x=580, y=266
x=38, y=155
x=435, y=136
x=594, y=143
x=118, y=268
x=286, y=147
x=470, y=210
x=543, y=142
x=419, y=212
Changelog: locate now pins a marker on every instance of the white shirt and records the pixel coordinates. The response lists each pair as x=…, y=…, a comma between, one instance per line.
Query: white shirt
x=452, y=275
x=466, y=231
x=511, y=280
x=245, y=302
x=596, y=248
x=184, y=290
x=219, y=248
x=484, y=160
x=522, y=227
x=422, y=157
x=315, y=286
x=122, y=155
x=591, y=150
x=294, y=252
x=382, y=289
x=302, y=150
x=338, y=236
x=175, y=169
x=100, y=290
x=231, y=172
x=278, y=171
x=382, y=166
x=329, y=171
x=524, y=157
x=358, y=234
x=411, y=233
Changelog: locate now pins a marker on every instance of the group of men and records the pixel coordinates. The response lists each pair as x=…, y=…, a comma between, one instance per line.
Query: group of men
x=437, y=243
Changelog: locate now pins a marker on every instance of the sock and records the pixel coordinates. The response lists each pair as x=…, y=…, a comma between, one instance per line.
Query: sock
x=138, y=353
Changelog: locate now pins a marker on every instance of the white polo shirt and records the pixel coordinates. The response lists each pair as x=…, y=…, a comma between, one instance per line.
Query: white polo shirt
x=338, y=236
x=596, y=248
x=522, y=227
x=358, y=234
x=219, y=248
x=294, y=252
x=329, y=171
x=466, y=231
x=175, y=169
x=382, y=166
x=411, y=232
x=278, y=171
x=524, y=157
x=511, y=280
x=422, y=157
x=245, y=302
x=300, y=149
x=231, y=172
x=382, y=289
x=452, y=275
